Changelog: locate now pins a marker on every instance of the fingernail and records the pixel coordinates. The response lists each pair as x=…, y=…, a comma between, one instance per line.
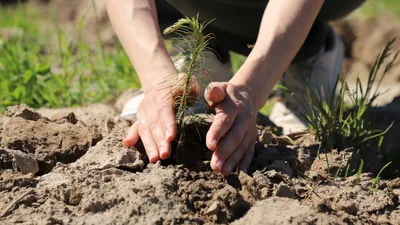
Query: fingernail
x=244, y=170
x=152, y=155
x=162, y=149
x=214, y=144
x=124, y=142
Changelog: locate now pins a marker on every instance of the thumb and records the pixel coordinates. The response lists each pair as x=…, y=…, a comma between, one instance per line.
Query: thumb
x=215, y=93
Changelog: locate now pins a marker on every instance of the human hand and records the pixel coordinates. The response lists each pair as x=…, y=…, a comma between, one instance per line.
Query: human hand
x=233, y=133
x=156, y=123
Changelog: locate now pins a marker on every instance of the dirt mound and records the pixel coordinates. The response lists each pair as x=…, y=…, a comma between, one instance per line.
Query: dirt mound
x=48, y=141
x=100, y=117
x=101, y=182
x=64, y=137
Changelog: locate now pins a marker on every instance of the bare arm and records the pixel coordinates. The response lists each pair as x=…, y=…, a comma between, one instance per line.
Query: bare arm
x=284, y=28
x=136, y=24
x=232, y=135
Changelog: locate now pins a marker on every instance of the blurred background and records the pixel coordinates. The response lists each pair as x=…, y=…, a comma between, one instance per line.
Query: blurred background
x=75, y=38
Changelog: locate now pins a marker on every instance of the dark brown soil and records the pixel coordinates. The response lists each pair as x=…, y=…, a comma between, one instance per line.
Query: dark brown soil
x=101, y=182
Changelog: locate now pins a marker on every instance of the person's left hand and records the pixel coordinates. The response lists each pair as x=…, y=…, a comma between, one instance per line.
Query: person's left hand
x=233, y=133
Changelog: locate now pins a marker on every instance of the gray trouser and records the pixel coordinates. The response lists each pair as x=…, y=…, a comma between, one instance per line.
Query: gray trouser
x=238, y=21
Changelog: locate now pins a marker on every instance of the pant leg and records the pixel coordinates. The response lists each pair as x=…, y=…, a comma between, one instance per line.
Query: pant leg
x=320, y=32
x=237, y=22
x=167, y=14
x=335, y=9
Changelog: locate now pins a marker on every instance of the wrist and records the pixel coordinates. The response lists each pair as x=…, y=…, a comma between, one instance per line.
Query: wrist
x=257, y=80
x=158, y=78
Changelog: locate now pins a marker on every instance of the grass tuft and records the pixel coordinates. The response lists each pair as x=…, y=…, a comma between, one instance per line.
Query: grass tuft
x=339, y=124
x=375, y=182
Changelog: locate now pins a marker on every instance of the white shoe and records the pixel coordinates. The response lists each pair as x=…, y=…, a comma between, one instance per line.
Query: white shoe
x=131, y=107
x=322, y=71
x=221, y=72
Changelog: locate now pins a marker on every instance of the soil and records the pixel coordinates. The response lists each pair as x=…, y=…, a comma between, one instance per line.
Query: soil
x=83, y=175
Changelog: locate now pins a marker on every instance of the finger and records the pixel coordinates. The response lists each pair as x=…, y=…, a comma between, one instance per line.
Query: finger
x=236, y=156
x=167, y=117
x=133, y=135
x=195, y=88
x=145, y=132
x=163, y=145
x=247, y=158
x=225, y=116
x=215, y=93
x=229, y=143
x=178, y=90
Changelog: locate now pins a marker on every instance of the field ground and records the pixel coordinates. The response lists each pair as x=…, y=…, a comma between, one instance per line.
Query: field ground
x=63, y=163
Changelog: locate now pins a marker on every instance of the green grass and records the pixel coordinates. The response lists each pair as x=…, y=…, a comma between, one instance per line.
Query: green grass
x=338, y=126
x=375, y=182
x=69, y=73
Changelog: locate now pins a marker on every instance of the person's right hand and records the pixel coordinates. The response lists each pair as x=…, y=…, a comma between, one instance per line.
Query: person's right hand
x=155, y=120
x=155, y=124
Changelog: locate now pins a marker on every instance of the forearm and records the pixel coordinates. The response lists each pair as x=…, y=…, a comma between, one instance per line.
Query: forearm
x=135, y=23
x=283, y=29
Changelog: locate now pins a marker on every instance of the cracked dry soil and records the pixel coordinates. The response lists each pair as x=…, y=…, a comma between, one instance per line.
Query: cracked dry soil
x=68, y=166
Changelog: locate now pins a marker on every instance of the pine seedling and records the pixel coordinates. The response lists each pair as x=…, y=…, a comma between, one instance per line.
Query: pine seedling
x=192, y=74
